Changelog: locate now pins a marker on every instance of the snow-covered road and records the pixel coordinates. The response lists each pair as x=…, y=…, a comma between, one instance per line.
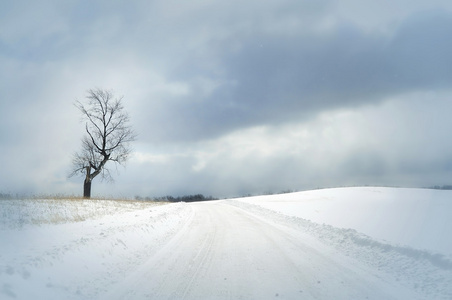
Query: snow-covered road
x=224, y=252
x=228, y=249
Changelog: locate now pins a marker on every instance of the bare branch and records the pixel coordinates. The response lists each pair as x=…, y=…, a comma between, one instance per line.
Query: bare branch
x=108, y=134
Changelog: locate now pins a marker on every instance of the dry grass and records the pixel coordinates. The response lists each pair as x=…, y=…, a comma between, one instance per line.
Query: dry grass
x=63, y=209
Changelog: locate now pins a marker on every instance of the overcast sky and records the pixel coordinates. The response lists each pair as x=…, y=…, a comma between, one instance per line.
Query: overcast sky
x=230, y=97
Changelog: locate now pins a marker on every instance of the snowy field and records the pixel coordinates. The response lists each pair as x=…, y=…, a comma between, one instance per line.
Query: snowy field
x=347, y=243
x=418, y=218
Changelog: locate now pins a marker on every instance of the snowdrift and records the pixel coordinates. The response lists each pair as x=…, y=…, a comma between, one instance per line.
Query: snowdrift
x=417, y=218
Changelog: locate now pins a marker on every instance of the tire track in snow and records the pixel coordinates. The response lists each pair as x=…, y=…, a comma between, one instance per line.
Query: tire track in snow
x=130, y=286
x=202, y=258
x=187, y=255
x=223, y=252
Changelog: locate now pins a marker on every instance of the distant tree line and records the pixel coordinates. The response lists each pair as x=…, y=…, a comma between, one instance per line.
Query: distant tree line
x=186, y=198
x=442, y=187
x=6, y=196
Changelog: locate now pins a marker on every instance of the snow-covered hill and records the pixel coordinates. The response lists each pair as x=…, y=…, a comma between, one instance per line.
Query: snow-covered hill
x=418, y=218
x=348, y=243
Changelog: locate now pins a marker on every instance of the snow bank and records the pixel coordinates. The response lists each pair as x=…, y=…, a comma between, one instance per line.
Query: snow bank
x=417, y=218
x=419, y=266
x=405, y=233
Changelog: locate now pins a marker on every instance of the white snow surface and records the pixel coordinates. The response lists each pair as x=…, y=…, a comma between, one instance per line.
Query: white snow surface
x=419, y=218
x=347, y=243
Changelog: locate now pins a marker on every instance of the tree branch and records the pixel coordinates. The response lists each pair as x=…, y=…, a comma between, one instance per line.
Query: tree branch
x=108, y=134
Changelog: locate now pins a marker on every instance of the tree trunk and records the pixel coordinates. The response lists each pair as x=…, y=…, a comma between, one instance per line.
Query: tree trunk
x=87, y=183
x=87, y=189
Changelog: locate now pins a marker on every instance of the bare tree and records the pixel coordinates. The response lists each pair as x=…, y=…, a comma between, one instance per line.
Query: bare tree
x=108, y=137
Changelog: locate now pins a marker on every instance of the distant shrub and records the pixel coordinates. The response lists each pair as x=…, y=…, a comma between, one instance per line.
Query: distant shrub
x=186, y=198
x=5, y=196
x=442, y=187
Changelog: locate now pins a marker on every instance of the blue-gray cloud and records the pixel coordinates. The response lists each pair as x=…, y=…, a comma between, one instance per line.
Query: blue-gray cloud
x=274, y=79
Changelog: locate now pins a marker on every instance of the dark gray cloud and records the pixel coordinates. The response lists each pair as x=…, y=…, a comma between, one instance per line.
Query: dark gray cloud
x=274, y=79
